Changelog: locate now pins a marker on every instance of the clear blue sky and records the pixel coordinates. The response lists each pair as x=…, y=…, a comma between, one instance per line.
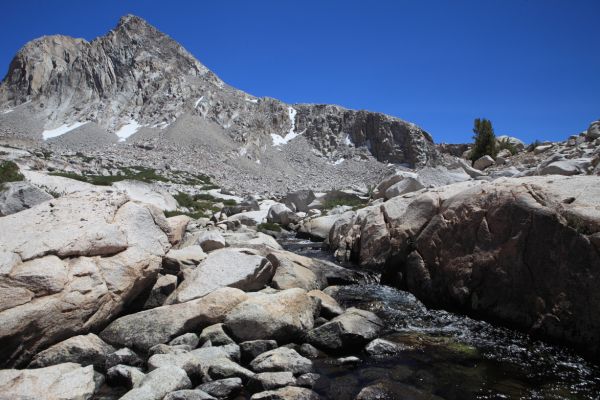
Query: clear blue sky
x=532, y=67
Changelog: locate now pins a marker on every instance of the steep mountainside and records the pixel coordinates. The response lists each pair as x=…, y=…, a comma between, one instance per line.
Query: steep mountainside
x=139, y=80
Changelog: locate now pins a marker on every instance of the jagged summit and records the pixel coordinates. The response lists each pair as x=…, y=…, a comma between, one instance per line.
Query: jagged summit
x=130, y=21
x=138, y=79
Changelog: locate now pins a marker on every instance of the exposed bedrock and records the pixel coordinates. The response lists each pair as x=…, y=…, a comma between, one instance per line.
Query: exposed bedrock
x=524, y=252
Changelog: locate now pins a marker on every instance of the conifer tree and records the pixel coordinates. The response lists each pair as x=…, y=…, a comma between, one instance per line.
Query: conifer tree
x=485, y=139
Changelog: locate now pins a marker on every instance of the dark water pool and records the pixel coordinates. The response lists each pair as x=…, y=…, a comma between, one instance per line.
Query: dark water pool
x=449, y=356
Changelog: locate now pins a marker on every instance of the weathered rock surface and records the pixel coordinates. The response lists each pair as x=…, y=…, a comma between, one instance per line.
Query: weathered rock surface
x=351, y=329
x=178, y=224
x=593, y=131
x=53, y=286
x=123, y=356
x=404, y=186
x=164, y=286
x=147, y=193
x=177, y=260
x=223, y=388
x=83, y=349
x=216, y=335
x=67, y=381
x=252, y=348
x=280, y=214
x=287, y=393
x=382, y=347
x=210, y=240
x=282, y=316
x=239, y=268
x=195, y=362
x=19, y=196
x=158, y=383
x=329, y=306
x=189, y=394
x=290, y=275
x=282, y=359
x=318, y=228
x=483, y=162
x=270, y=380
x=485, y=249
x=125, y=375
x=145, y=329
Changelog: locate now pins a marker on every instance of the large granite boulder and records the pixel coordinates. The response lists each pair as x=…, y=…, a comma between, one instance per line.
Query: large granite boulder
x=240, y=268
x=70, y=265
x=282, y=359
x=19, y=196
x=145, y=329
x=158, y=383
x=147, y=193
x=349, y=330
x=282, y=316
x=67, y=381
x=299, y=201
x=593, y=132
x=83, y=349
x=524, y=251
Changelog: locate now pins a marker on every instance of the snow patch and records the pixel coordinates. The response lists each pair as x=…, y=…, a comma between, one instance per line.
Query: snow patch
x=338, y=162
x=61, y=130
x=257, y=161
x=243, y=151
x=198, y=101
x=160, y=125
x=252, y=100
x=217, y=193
x=279, y=140
x=348, y=141
x=7, y=111
x=127, y=130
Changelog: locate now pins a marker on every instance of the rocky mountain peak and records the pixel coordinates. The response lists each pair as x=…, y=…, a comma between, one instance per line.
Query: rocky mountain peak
x=136, y=77
x=133, y=22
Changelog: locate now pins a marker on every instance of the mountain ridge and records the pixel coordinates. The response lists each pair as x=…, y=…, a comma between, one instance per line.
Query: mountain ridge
x=136, y=76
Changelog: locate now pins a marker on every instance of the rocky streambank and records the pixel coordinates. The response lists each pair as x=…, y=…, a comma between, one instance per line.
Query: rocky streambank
x=158, y=285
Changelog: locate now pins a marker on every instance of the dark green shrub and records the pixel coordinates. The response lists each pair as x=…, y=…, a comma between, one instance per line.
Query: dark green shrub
x=268, y=226
x=352, y=202
x=533, y=145
x=505, y=144
x=9, y=172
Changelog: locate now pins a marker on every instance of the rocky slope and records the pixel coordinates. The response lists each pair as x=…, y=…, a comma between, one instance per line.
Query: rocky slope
x=138, y=84
x=105, y=297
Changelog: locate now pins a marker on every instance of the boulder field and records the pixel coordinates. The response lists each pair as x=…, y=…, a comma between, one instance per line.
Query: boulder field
x=101, y=294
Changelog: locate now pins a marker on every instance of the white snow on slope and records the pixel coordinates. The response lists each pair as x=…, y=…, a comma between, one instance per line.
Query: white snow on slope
x=127, y=130
x=338, y=162
x=348, y=141
x=160, y=125
x=7, y=111
x=61, y=130
x=252, y=100
x=198, y=101
x=281, y=140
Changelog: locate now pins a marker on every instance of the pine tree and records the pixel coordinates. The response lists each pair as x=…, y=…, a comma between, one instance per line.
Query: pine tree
x=485, y=139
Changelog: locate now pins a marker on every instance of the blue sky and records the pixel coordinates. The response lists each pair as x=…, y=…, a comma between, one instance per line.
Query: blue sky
x=532, y=67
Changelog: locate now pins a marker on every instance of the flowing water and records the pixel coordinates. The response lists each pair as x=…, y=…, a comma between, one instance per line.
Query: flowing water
x=448, y=356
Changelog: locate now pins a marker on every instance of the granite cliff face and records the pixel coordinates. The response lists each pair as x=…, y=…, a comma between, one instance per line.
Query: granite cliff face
x=138, y=78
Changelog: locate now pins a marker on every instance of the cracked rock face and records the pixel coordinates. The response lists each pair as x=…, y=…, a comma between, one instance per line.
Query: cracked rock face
x=136, y=78
x=72, y=264
x=523, y=251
